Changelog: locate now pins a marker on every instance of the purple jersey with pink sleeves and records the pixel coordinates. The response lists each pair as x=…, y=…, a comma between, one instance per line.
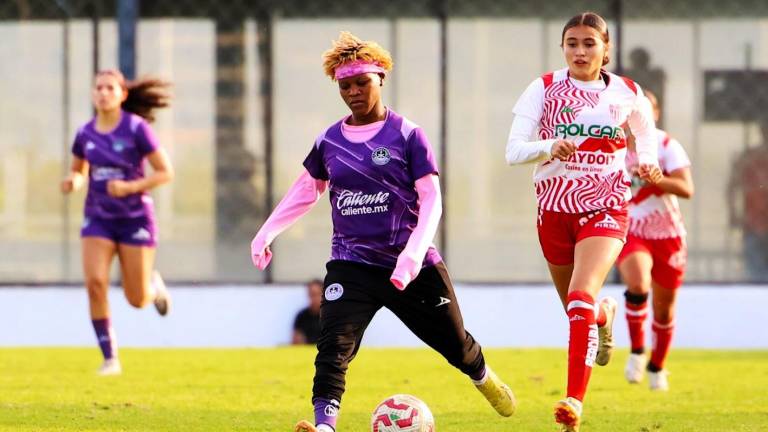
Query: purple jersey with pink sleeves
x=116, y=155
x=374, y=203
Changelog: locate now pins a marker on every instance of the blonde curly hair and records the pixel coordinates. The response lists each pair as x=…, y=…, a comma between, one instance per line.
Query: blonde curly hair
x=348, y=48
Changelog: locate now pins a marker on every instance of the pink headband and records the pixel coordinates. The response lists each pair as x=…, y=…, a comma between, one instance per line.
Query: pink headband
x=356, y=67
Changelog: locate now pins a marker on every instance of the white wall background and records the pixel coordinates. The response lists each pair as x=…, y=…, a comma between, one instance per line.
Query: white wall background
x=711, y=316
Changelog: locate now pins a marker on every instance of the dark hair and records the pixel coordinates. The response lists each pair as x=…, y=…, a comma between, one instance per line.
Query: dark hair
x=144, y=94
x=589, y=19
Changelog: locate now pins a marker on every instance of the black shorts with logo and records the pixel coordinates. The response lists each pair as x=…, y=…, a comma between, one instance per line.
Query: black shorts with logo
x=354, y=292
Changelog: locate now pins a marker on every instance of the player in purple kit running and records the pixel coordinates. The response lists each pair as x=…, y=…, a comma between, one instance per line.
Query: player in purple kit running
x=386, y=206
x=119, y=219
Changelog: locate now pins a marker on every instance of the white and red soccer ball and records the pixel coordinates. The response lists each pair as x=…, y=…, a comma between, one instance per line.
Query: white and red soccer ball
x=402, y=413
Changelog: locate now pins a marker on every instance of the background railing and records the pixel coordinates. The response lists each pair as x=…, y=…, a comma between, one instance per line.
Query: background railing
x=250, y=98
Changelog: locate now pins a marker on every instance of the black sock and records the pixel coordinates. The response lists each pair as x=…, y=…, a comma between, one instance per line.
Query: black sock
x=653, y=368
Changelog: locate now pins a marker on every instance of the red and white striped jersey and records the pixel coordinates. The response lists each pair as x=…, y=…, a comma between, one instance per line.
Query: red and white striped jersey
x=595, y=176
x=654, y=214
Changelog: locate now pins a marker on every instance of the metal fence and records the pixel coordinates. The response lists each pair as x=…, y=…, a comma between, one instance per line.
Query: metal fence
x=250, y=98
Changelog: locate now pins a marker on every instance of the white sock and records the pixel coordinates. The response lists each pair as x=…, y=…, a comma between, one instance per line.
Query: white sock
x=482, y=380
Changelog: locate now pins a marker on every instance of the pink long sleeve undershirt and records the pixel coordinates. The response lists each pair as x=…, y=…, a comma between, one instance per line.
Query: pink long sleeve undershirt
x=410, y=260
x=300, y=198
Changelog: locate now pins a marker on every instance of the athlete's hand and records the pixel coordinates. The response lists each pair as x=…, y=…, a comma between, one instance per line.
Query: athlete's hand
x=67, y=185
x=120, y=188
x=650, y=173
x=563, y=149
x=71, y=183
x=261, y=255
x=405, y=271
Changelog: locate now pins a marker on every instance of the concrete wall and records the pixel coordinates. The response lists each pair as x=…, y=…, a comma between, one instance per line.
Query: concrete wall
x=712, y=316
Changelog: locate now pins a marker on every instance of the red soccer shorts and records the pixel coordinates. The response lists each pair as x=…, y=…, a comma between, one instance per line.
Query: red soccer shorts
x=669, y=258
x=559, y=232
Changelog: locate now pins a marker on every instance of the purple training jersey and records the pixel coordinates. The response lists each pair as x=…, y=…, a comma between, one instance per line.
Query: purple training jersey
x=375, y=206
x=116, y=155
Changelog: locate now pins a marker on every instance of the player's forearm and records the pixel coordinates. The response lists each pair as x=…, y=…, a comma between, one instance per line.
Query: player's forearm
x=152, y=181
x=430, y=210
x=519, y=149
x=644, y=129
x=298, y=201
x=676, y=186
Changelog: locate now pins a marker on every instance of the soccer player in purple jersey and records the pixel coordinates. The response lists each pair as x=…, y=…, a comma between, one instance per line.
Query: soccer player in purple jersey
x=119, y=219
x=386, y=206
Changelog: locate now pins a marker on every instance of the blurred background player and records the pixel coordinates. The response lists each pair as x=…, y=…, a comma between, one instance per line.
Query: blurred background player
x=582, y=186
x=655, y=255
x=119, y=218
x=748, y=205
x=306, y=325
x=386, y=205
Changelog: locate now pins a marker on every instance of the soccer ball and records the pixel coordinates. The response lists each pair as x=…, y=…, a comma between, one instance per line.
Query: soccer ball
x=402, y=413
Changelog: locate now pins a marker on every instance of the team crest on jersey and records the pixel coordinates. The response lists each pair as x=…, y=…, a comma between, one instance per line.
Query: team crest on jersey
x=615, y=111
x=334, y=292
x=118, y=145
x=90, y=146
x=381, y=156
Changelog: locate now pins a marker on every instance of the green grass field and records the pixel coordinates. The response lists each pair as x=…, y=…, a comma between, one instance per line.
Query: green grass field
x=269, y=390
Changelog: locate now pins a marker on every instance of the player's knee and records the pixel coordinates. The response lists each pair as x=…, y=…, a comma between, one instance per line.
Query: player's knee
x=663, y=315
x=137, y=298
x=639, y=286
x=336, y=350
x=336, y=344
x=97, y=289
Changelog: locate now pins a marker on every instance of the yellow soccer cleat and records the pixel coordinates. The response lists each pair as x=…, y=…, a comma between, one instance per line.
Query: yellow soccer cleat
x=605, y=333
x=498, y=394
x=568, y=414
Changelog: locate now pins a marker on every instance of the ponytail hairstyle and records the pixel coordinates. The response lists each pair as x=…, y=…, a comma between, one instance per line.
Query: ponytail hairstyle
x=590, y=19
x=144, y=94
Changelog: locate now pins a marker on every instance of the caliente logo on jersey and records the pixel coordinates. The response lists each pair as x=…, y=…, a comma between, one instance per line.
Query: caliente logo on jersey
x=351, y=203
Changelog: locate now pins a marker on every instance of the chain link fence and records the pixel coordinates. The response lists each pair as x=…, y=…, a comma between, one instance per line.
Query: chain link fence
x=250, y=98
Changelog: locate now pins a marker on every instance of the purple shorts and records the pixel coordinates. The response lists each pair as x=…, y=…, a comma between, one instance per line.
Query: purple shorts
x=140, y=231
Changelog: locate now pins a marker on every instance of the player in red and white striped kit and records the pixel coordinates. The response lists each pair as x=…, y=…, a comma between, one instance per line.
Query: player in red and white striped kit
x=654, y=257
x=582, y=186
